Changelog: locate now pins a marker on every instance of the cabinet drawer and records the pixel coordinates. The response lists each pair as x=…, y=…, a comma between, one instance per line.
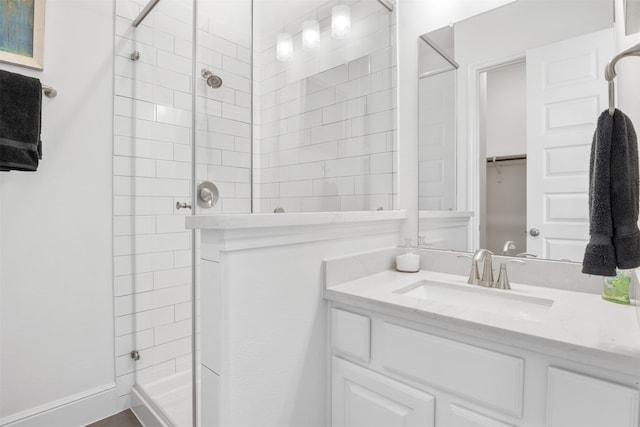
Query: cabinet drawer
x=490, y=378
x=579, y=400
x=351, y=334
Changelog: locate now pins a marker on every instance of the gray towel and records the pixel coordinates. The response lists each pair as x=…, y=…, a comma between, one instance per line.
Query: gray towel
x=20, y=114
x=613, y=197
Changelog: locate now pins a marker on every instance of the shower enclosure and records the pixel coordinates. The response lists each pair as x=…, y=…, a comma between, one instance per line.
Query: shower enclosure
x=282, y=105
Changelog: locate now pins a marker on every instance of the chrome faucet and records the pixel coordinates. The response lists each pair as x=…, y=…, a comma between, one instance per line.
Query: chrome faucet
x=526, y=255
x=508, y=245
x=481, y=255
x=484, y=255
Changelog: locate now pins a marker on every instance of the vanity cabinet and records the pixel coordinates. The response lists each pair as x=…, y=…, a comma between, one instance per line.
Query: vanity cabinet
x=390, y=371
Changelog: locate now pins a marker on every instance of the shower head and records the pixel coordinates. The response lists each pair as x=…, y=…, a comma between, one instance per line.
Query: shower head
x=211, y=79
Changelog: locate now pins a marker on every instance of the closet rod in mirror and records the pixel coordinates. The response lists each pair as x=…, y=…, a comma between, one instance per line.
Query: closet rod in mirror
x=505, y=158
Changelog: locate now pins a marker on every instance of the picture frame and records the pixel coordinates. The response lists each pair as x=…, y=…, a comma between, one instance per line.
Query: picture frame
x=22, y=33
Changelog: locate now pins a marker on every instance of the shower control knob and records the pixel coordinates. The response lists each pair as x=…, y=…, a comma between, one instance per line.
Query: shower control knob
x=207, y=194
x=534, y=232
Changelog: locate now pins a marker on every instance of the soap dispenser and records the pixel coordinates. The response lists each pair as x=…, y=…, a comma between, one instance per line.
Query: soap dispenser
x=408, y=260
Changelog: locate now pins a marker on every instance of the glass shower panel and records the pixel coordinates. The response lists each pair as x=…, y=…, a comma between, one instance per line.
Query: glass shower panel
x=325, y=110
x=223, y=114
x=222, y=148
x=152, y=174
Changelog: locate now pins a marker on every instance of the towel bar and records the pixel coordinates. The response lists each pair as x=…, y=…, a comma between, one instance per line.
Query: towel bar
x=610, y=73
x=49, y=92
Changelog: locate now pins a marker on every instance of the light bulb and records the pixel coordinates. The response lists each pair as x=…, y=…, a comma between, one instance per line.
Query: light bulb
x=340, y=21
x=310, y=34
x=284, y=47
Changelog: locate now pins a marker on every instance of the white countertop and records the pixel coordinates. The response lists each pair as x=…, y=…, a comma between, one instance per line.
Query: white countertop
x=577, y=322
x=260, y=220
x=445, y=214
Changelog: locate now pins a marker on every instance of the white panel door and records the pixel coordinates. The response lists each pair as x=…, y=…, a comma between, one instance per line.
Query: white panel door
x=437, y=142
x=566, y=92
x=363, y=398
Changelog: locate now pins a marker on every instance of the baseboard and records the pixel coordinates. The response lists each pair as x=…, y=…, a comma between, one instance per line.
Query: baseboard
x=145, y=410
x=77, y=410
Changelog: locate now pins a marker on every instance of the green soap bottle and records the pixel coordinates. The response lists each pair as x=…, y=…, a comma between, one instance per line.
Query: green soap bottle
x=616, y=288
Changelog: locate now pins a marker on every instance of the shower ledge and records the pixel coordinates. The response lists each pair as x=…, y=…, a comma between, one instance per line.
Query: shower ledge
x=244, y=231
x=259, y=220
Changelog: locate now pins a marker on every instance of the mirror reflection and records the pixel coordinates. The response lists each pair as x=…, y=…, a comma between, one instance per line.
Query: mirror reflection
x=525, y=100
x=437, y=87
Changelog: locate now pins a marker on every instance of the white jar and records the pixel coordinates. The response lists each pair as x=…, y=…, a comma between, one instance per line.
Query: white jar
x=409, y=262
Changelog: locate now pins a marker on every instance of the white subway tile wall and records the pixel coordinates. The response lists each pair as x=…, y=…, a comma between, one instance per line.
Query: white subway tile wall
x=223, y=125
x=326, y=121
x=324, y=129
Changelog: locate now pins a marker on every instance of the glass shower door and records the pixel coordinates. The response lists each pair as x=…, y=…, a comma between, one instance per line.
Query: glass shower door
x=152, y=183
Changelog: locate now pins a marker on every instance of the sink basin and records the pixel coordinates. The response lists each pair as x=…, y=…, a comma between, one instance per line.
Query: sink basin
x=496, y=301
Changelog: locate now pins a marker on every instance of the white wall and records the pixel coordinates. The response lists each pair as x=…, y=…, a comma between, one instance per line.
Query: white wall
x=56, y=329
x=506, y=116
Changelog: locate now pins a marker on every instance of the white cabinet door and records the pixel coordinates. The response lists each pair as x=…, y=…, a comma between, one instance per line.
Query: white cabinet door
x=363, y=398
x=578, y=400
x=566, y=92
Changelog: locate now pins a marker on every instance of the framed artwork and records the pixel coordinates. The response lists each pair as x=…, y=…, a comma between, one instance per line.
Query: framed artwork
x=22, y=32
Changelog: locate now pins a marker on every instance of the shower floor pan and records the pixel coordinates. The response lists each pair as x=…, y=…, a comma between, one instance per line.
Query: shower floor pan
x=164, y=403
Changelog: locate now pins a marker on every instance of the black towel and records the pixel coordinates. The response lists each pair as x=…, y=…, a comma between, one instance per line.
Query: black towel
x=613, y=197
x=20, y=118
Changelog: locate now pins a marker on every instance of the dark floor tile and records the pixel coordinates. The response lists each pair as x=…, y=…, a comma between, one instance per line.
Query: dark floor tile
x=123, y=419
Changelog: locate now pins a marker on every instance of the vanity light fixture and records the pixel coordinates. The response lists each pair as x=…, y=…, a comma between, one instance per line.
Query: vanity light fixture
x=340, y=21
x=284, y=47
x=310, y=34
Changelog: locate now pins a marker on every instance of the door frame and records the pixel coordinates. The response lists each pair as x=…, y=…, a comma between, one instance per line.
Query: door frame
x=474, y=163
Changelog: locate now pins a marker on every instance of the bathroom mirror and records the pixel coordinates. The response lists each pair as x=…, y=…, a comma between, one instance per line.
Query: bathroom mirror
x=524, y=103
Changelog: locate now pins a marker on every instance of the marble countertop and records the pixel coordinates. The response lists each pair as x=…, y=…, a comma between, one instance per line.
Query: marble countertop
x=581, y=323
x=445, y=214
x=260, y=220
